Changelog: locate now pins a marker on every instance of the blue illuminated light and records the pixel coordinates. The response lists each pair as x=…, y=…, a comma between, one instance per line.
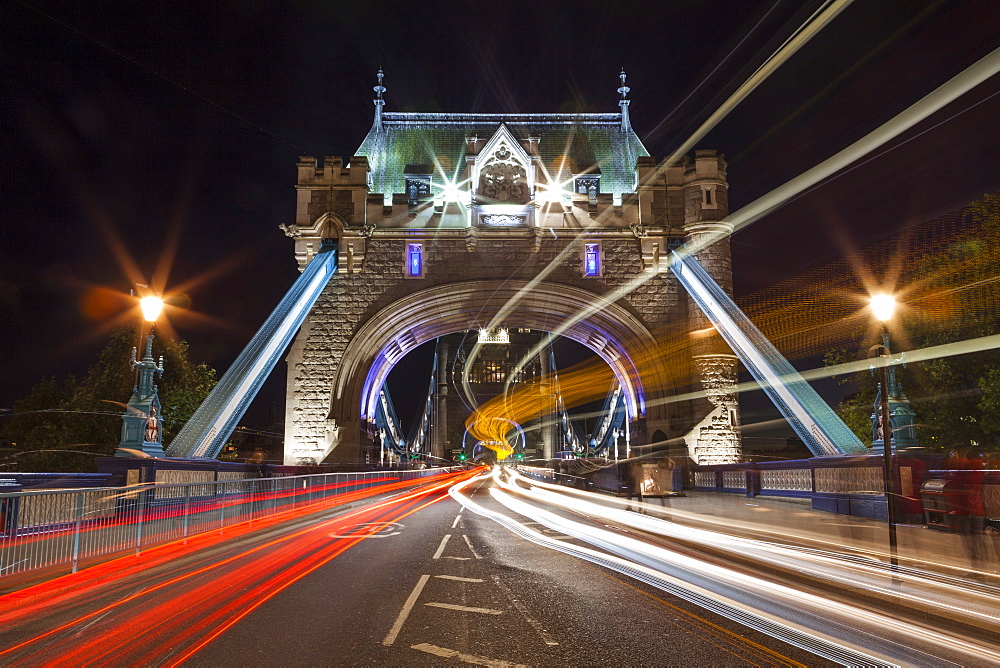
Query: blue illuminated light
x=414, y=259
x=592, y=260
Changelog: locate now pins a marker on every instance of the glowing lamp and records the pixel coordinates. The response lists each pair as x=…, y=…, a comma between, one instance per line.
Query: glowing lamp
x=151, y=308
x=452, y=193
x=882, y=306
x=553, y=193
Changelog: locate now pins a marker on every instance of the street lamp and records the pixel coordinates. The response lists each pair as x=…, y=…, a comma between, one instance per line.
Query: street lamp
x=882, y=306
x=142, y=434
x=152, y=307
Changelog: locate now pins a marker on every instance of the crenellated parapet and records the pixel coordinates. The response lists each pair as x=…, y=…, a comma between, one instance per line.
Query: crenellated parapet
x=330, y=201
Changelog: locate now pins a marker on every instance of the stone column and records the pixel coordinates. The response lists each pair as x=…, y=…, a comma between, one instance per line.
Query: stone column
x=716, y=439
x=439, y=419
x=547, y=415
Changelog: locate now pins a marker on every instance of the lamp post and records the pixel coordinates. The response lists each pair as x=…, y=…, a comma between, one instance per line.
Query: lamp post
x=142, y=433
x=882, y=307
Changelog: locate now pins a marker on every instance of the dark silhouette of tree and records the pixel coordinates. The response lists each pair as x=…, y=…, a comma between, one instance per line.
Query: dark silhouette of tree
x=957, y=397
x=61, y=425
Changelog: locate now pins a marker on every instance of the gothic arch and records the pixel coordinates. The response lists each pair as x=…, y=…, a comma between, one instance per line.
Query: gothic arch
x=330, y=225
x=610, y=331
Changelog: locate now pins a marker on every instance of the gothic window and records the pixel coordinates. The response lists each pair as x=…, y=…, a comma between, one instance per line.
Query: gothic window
x=592, y=260
x=418, y=187
x=587, y=185
x=503, y=179
x=414, y=260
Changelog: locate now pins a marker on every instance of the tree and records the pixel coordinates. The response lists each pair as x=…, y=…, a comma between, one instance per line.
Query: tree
x=60, y=426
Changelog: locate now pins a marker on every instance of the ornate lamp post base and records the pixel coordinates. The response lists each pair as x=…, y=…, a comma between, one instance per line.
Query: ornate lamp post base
x=141, y=422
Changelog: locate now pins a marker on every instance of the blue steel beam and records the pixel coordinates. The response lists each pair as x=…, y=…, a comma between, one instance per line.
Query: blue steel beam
x=610, y=424
x=213, y=422
x=417, y=442
x=387, y=422
x=819, y=427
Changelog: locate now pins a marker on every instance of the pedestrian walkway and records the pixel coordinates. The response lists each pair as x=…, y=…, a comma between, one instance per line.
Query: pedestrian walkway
x=793, y=520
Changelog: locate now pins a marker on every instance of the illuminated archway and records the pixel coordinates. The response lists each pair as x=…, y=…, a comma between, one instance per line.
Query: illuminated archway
x=611, y=332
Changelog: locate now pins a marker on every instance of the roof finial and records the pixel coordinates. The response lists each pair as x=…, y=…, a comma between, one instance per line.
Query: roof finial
x=624, y=89
x=623, y=103
x=379, y=102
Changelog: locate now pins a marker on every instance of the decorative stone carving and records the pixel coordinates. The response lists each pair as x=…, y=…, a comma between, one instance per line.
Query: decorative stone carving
x=290, y=230
x=502, y=220
x=503, y=179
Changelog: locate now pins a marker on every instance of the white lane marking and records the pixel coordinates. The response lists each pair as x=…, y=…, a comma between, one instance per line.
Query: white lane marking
x=444, y=541
x=405, y=612
x=471, y=549
x=379, y=529
x=459, y=558
x=446, y=653
x=463, y=608
x=455, y=523
x=458, y=579
x=544, y=634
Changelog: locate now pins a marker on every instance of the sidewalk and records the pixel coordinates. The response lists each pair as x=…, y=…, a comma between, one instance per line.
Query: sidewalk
x=791, y=520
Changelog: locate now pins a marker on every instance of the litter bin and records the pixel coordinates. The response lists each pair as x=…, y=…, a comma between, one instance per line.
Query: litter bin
x=942, y=502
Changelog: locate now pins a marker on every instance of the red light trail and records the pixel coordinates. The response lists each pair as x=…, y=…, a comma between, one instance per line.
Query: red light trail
x=188, y=594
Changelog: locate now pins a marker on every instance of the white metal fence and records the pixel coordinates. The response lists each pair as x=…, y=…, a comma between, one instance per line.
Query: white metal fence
x=42, y=528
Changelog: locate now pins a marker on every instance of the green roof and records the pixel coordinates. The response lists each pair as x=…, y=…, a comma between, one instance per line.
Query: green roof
x=592, y=143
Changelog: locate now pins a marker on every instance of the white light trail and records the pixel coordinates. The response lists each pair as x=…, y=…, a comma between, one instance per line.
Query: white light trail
x=870, y=576
x=839, y=631
x=791, y=633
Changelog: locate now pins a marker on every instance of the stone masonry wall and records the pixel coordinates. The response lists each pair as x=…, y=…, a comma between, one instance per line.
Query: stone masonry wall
x=351, y=299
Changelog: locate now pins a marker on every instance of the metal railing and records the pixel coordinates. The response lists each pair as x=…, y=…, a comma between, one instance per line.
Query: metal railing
x=45, y=528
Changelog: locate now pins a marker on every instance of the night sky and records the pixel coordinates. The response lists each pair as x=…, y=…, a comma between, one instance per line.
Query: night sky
x=160, y=138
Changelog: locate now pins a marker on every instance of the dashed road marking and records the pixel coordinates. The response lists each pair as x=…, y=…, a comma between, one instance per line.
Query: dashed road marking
x=546, y=638
x=455, y=523
x=455, y=577
x=471, y=549
x=444, y=541
x=464, y=608
x=405, y=612
x=446, y=653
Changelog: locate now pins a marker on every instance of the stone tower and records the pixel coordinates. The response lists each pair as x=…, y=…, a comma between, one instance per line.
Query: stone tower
x=561, y=223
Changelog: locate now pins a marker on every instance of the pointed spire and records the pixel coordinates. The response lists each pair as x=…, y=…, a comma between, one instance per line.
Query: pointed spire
x=624, y=90
x=379, y=102
x=623, y=102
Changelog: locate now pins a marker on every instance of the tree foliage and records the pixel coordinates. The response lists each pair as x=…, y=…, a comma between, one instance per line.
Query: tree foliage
x=956, y=397
x=62, y=424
